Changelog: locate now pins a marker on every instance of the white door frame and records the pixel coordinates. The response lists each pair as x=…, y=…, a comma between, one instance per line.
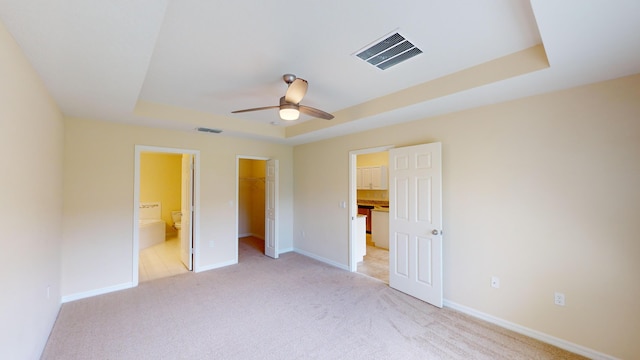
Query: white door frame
x=136, y=204
x=248, y=157
x=353, y=199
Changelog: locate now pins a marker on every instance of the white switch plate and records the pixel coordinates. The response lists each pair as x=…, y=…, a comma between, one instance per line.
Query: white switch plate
x=495, y=282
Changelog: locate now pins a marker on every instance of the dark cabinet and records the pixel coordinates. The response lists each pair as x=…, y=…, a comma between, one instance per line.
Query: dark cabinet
x=366, y=210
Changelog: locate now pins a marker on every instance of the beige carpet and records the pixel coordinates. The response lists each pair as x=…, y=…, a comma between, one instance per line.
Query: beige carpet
x=290, y=308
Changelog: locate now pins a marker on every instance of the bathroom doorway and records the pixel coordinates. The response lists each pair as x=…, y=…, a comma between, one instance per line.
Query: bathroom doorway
x=256, y=199
x=166, y=179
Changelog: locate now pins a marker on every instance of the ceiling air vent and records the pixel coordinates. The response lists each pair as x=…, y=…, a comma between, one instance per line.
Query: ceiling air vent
x=391, y=50
x=203, y=129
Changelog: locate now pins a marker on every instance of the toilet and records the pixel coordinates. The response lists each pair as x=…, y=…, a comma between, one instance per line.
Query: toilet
x=176, y=216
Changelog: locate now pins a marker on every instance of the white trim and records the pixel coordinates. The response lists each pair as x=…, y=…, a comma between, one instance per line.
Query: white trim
x=216, y=266
x=563, y=344
x=136, y=200
x=321, y=259
x=353, y=199
x=87, y=294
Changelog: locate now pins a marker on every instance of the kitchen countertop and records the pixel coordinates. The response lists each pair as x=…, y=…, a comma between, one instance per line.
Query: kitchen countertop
x=378, y=205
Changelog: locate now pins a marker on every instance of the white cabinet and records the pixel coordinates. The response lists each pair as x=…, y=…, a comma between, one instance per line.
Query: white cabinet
x=380, y=228
x=372, y=178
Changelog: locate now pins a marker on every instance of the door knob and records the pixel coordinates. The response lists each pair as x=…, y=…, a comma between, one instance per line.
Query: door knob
x=435, y=232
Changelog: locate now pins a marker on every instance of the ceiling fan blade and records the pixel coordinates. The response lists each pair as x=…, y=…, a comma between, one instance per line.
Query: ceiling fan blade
x=308, y=110
x=256, y=109
x=296, y=91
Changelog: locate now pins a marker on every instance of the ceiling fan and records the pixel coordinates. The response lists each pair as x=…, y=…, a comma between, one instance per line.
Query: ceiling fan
x=290, y=107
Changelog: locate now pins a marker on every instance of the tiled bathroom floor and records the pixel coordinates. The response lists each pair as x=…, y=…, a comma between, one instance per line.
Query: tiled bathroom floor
x=160, y=261
x=375, y=263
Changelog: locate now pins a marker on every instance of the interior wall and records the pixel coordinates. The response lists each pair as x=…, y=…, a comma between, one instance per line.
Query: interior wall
x=97, y=253
x=31, y=196
x=244, y=197
x=161, y=180
x=373, y=159
x=542, y=192
x=259, y=173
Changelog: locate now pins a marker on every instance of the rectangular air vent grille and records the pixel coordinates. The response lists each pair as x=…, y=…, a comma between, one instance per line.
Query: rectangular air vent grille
x=203, y=129
x=392, y=50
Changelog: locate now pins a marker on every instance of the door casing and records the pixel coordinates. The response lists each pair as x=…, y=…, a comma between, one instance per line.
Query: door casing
x=136, y=201
x=353, y=199
x=276, y=223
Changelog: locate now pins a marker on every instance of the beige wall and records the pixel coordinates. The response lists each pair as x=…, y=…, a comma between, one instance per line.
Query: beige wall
x=161, y=180
x=543, y=192
x=373, y=159
x=31, y=139
x=97, y=252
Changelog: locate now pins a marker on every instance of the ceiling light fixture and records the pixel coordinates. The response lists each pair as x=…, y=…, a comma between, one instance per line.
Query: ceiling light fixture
x=289, y=112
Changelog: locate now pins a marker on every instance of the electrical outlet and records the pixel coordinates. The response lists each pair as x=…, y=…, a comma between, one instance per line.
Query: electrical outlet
x=558, y=299
x=211, y=244
x=495, y=282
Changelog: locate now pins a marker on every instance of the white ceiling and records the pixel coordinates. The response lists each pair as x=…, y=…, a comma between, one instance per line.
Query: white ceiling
x=189, y=63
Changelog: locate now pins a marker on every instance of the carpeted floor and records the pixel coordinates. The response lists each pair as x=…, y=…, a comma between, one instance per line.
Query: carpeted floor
x=290, y=308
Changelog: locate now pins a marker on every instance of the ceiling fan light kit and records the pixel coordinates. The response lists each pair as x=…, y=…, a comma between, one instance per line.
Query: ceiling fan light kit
x=290, y=108
x=287, y=113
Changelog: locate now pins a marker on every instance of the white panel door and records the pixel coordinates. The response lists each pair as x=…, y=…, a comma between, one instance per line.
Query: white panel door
x=415, y=221
x=271, y=210
x=186, y=223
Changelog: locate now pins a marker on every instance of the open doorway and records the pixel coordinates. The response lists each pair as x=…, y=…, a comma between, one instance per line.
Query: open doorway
x=251, y=205
x=257, y=199
x=369, y=198
x=164, y=216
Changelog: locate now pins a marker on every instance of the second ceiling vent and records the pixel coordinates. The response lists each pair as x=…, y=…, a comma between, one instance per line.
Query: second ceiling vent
x=391, y=50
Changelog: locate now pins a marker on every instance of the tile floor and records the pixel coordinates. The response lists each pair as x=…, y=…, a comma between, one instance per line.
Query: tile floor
x=375, y=263
x=160, y=261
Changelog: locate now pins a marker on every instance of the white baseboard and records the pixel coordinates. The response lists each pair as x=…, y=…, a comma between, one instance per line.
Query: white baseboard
x=86, y=294
x=214, y=266
x=282, y=251
x=319, y=258
x=563, y=344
